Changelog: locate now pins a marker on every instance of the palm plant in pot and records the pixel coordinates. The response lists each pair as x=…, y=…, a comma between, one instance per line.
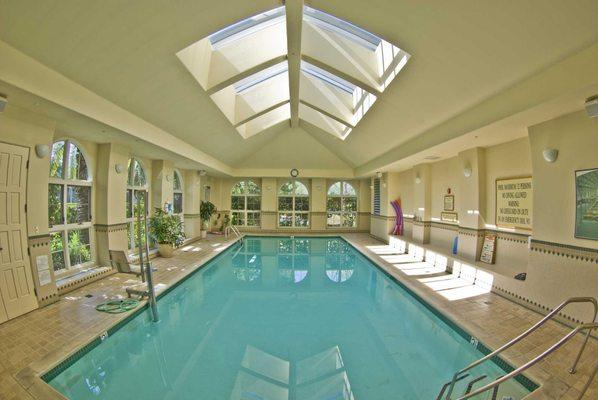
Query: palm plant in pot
x=167, y=230
x=206, y=210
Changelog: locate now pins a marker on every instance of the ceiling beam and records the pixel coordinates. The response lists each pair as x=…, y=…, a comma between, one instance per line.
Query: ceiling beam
x=326, y=113
x=267, y=110
x=341, y=74
x=294, y=17
x=242, y=75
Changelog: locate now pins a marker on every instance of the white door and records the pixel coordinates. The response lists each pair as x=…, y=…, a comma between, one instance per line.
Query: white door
x=16, y=282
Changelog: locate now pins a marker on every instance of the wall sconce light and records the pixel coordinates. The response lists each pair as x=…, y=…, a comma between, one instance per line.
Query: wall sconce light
x=467, y=171
x=550, y=155
x=119, y=168
x=418, y=180
x=268, y=187
x=42, y=150
x=202, y=172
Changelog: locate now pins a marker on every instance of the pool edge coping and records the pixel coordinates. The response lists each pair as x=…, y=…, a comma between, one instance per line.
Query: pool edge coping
x=32, y=377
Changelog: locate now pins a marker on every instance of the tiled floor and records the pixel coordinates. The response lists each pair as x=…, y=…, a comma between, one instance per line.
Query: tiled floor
x=38, y=340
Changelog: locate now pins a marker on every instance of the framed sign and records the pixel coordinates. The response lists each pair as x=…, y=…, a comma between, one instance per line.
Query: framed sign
x=488, y=249
x=514, y=200
x=586, y=204
x=449, y=202
x=449, y=216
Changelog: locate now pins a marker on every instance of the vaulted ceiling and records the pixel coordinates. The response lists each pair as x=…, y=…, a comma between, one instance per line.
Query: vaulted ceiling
x=463, y=53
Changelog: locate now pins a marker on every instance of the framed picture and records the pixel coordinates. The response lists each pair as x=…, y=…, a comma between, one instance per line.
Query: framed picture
x=449, y=202
x=449, y=217
x=586, y=204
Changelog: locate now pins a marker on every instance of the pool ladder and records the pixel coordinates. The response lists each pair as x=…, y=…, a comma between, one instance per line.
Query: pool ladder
x=450, y=386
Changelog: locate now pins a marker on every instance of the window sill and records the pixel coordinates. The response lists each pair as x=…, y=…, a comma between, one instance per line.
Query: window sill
x=67, y=273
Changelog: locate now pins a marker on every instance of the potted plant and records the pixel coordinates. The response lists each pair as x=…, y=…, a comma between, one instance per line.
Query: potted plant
x=206, y=210
x=167, y=231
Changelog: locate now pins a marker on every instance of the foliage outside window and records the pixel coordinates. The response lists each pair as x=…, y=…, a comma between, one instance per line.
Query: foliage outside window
x=246, y=204
x=177, y=196
x=135, y=203
x=293, y=205
x=341, y=206
x=69, y=207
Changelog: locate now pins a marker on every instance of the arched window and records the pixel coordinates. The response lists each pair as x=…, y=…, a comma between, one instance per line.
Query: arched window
x=69, y=207
x=245, y=204
x=135, y=202
x=293, y=205
x=177, y=195
x=341, y=205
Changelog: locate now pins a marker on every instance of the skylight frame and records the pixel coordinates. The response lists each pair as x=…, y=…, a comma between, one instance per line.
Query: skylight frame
x=327, y=77
x=247, y=27
x=260, y=77
x=342, y=27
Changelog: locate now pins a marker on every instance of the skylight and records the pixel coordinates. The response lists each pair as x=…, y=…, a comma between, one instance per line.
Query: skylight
x=343, y=70
x=261, y=76
x=347, y=29
x=327, y=77
x=247, y=27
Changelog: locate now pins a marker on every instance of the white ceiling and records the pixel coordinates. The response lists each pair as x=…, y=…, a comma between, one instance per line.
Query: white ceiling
x=463, y=53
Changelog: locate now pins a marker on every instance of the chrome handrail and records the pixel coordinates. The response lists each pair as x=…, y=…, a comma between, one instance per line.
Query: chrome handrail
x=235, y=230
x=528, y=332
x=564, y=339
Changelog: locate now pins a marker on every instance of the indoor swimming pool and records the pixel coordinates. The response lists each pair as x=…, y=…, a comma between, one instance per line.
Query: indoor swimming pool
x=279, y=318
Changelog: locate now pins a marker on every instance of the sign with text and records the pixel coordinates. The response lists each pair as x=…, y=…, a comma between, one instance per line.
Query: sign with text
x=514, y=203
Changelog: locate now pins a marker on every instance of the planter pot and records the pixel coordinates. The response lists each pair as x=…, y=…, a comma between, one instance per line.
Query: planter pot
x=204, y=234
x=165, y=249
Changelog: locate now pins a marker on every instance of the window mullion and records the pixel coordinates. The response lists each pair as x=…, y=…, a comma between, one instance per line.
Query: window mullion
x=65, y=249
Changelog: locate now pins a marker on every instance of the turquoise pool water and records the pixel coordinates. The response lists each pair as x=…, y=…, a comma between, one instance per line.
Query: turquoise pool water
x=279, y=319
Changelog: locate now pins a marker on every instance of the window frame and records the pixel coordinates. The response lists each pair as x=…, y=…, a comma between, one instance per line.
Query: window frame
x=294, y=212
x=245, y=195
x=342, y=213
x=176, y=174
x=65, y=227
x=130, y=221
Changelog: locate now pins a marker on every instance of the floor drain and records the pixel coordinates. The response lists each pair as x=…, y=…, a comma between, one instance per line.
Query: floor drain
x=89, y=295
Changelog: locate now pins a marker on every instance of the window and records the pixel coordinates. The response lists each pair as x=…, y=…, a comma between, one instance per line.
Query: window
x=69, y=207
x=293, y=205
x=341, y=205
x=177, y=195
x=135, y=202
x=376, y=196
x=246, y=204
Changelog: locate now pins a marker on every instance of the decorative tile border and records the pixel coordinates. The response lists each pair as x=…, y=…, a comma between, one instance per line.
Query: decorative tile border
x=103, y=228
x=565, y=250
x=445, y=226
x=85, y=278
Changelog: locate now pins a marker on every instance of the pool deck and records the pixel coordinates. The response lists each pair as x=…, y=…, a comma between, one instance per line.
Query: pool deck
x=37, y=341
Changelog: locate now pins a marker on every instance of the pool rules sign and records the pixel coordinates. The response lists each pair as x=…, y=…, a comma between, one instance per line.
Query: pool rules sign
x=514, y=203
